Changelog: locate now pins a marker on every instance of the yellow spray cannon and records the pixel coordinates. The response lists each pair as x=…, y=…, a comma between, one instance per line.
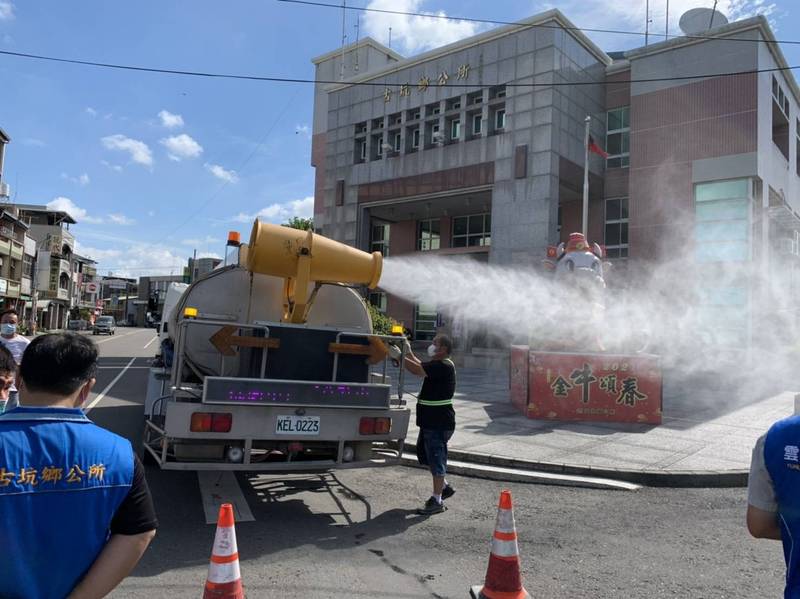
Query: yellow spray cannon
x=302, y=258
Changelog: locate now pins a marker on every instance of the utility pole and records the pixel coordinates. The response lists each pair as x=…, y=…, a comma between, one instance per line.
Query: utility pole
x=585, y=216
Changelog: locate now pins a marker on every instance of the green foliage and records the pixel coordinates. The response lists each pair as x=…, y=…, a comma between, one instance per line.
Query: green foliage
x=297, y=222
x=381, y=324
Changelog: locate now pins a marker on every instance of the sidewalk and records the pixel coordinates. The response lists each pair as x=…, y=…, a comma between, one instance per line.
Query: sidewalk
x=706, y=437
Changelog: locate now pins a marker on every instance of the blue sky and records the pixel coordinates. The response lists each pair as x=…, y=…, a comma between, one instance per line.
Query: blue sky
x=154, y=166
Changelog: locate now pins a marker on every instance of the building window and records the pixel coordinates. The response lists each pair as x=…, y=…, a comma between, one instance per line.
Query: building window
x=722, y=217
x=500, y=119
x=424, y=322
x=616, y=228
x=396, y=143
x=780, y=118
x=361, y=128
x=618, y=137
x=379, y=239
x=477, y=122
x=27, y=266
x=498, y=91
x=455, y=129
x=63, y=281
x=415, y=138
x=474, y=230
x=12, y=269
x=361, y=150
x=377, y=144
x=428, y=234
x=378, y=299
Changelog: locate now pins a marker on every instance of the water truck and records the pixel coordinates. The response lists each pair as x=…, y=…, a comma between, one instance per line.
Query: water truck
x=275, y=365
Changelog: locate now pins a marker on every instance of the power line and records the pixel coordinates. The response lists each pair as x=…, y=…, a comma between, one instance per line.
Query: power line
x=529, y=26
x=374, y=83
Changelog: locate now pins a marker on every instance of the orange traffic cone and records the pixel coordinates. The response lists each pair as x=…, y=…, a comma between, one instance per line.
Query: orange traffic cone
x=224, y=580
x=503, y=578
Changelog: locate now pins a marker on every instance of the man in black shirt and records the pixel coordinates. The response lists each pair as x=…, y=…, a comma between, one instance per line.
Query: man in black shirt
x=436, y=418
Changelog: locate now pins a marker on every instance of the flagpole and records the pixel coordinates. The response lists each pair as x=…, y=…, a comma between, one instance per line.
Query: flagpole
x=585, y=222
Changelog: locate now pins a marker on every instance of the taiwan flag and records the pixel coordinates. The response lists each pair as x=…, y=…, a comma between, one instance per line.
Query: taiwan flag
x=593, y=147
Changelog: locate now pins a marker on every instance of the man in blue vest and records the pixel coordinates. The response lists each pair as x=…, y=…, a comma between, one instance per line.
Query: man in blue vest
x=773, y=510
x=75, y=511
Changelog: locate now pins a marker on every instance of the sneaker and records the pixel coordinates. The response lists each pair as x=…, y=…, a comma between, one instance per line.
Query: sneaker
x=431, y=507
x=448, y=492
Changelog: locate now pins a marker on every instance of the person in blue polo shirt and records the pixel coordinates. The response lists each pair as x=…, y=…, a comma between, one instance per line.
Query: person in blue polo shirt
x=76, y=514
x=773, y=499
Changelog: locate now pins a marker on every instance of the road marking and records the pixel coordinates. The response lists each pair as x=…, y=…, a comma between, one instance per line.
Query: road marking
x=97, y=399
x=118, y=366
x=112, y=337
x=149, y=342
x=218, y=487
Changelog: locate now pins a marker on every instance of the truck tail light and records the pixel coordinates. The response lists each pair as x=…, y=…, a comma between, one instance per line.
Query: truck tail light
x=205, y=422
x=374, y=426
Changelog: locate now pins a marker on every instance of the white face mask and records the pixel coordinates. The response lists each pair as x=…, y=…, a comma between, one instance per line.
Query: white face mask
x=432, y=350
x=8, y=328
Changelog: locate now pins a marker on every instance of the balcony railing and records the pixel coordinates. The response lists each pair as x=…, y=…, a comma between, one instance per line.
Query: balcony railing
x=13, y=289
x=17, y=250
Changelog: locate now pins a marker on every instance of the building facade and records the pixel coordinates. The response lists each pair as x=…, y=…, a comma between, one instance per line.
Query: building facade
x=152, y=294
x=477, y=149
x=198, y=267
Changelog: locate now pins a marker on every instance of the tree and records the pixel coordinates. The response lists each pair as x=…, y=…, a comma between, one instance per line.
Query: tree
x=298, y=222
x=381, y=324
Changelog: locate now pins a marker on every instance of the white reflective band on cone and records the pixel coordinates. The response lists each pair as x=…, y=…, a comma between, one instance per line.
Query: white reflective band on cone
x=224, y=542
x=504, y=548
x=505, y=521
x=222, y=573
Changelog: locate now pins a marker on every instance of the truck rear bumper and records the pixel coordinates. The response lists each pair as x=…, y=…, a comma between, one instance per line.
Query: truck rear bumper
x=254, y=445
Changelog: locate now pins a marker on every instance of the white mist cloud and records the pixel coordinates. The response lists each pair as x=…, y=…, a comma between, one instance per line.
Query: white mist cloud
x=82, y=180
x=413, y=34
x=181, y=146
x=220, y=172
x=139, y=151
x=280, y=212
x=303, y=130
x=121, y=219
x=197, y=241
x=169, y=120
x=137, y=259
x=90, y=111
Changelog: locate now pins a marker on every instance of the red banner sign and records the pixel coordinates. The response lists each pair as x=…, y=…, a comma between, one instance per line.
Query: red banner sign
x=612, y=388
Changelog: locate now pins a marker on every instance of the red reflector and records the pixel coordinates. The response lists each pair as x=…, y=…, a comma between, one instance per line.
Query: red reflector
x=201, y=422
x=295, y=447
x=221, y=423
x=366, y=426
x=383, y=426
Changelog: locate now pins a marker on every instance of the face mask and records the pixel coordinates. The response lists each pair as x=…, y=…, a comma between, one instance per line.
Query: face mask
x=8, y=329
x=432, y=350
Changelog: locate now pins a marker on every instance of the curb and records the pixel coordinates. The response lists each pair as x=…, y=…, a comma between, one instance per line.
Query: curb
x=648, y=478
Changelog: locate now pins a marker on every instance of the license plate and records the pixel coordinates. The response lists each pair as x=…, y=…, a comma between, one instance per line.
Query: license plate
x=297, y=425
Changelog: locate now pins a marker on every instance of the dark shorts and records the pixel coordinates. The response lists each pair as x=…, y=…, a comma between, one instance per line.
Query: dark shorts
x=435, y=442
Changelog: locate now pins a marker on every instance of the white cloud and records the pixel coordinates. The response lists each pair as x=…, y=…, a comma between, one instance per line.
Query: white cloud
x=181, y=146
x=221, y=173
x=91, y=111
x=67, y=205
x=208, y=255
x=6, y=10
x=200, y=241
x=612, y=14
x=280, y=212
x=413, y=34
x=139, y=151
x=82, y=179
x=303, y=130
x=113, y=167
x=169, y=120
x=120, y=219
x=136, y=259
x=151, y=213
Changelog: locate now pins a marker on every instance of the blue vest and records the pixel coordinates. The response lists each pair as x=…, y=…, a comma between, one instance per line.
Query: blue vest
x=62, y=479
x=782, y=458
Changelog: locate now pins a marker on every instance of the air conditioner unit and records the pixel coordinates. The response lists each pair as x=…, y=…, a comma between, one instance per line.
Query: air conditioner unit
x=5, y=190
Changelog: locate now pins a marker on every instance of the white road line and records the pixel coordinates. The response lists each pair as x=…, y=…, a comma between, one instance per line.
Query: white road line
x=149, y=342
x=118, y=366
x=97, y=399
x=113, y=337
x=218, y=487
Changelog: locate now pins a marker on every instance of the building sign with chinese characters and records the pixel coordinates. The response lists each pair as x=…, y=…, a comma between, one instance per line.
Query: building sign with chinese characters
x=424, y=82
x=607, y=387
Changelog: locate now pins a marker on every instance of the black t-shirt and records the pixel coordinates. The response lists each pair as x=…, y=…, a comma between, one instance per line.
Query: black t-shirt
x=439, y=384
x=136, y=513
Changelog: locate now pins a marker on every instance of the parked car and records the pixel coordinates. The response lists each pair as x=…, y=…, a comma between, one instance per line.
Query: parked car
x=104, y=325
x=77, y=325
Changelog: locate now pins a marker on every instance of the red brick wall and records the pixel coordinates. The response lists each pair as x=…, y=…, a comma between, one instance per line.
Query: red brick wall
x=669, y=129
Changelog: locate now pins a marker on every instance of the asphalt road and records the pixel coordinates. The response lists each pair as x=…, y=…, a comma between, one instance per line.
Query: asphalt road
x=356, y=534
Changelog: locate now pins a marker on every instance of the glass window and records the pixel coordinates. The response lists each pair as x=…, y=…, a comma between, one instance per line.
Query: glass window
x=477, y=121
x=378, y=299
x=722, y=221
x=428, y=234
x=424, y=322
x=616, y=228
x=472, y=231
x=618, y=137
x=415, y=138
x=379, y=239
x=455, y=129
x=500, y=119
x=396, y=142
